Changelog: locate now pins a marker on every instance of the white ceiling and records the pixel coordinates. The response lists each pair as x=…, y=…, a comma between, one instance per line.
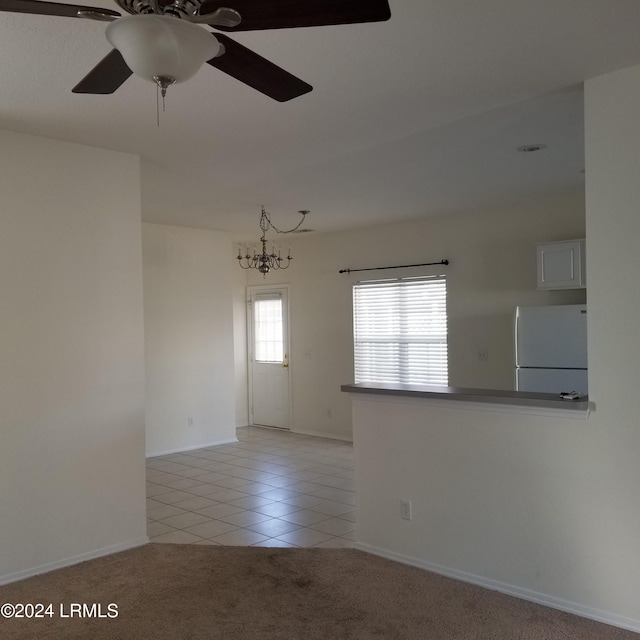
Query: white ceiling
x=418, y=115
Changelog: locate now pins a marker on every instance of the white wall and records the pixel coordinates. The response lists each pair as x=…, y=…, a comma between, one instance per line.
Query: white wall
x=188, y=338
x=543, y=507
x=613, y=229
x=505, y=498
x=71, y=354
x=493, y=268
x=240, y=345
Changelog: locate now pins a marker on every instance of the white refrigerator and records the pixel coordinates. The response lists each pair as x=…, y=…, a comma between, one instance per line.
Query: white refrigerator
x=551, y=348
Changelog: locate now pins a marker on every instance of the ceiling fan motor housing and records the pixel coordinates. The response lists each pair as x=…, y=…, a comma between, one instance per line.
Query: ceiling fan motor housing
x=177, y=8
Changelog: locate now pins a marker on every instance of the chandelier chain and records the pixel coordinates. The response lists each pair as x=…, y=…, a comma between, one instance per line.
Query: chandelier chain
x=265, y=261
x=273, y=226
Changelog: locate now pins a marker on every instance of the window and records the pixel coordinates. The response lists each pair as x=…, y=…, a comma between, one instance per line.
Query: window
x=268, y=328
x=400, y=331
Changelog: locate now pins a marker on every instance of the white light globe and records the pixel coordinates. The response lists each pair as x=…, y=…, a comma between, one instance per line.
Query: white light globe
x=162, y=46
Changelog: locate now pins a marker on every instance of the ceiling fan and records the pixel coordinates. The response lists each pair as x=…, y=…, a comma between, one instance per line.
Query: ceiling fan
x=167, y=32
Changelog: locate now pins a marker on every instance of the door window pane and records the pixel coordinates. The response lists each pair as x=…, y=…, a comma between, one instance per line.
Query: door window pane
x=268, y=330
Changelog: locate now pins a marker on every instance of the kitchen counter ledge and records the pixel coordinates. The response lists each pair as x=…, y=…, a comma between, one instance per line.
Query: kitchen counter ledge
x=505, y=399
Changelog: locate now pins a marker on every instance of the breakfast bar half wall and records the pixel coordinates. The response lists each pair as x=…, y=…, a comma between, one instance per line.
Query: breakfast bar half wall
x=486, y=487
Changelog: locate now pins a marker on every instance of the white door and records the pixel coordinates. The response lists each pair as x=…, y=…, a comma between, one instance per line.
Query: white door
x=269, y=356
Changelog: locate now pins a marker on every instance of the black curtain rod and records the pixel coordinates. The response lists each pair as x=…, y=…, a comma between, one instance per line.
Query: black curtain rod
x=401, y=266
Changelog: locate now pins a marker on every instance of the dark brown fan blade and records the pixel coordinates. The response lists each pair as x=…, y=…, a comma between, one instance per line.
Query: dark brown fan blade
x=257, y=72
x=49, y=8
x=284, y=14
x=106, y=76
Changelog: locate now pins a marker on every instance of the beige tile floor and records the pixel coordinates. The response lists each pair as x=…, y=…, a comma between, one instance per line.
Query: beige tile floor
x=272, y=489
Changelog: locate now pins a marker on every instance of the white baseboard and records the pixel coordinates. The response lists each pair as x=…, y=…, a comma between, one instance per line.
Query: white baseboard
x=67, y=562
x=494, y=585
x=322, y=434
x=204, y=445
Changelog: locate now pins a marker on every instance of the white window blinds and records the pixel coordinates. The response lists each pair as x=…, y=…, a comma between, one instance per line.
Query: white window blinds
x=400, y=331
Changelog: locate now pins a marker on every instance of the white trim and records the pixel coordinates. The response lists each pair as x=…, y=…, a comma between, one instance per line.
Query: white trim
x=323, y=434
x=67, y=562
x=512, y=590
x=266, y=426
x=199, y=446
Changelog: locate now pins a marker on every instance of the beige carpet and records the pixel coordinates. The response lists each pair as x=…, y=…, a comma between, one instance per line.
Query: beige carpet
x=192, y=592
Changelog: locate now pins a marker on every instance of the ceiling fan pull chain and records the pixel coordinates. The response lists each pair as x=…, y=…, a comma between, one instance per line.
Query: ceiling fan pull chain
x=162, y=83
x=160, y=94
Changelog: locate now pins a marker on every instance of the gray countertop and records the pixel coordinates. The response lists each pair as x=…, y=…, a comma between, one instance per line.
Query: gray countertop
x=494, y=396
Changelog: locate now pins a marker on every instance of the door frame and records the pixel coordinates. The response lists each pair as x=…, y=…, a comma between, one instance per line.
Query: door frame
x=263, y=288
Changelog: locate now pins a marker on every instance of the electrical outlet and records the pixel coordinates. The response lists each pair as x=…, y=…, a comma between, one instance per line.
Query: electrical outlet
x=405, y=509
x=190, y=421
x=329, y=413
x=483, y=355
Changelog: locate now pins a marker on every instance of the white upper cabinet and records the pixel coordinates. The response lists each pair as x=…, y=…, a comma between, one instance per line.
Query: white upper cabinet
x=561, y=265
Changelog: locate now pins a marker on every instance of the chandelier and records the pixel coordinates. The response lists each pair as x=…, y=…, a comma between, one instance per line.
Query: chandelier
x=265, y=261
